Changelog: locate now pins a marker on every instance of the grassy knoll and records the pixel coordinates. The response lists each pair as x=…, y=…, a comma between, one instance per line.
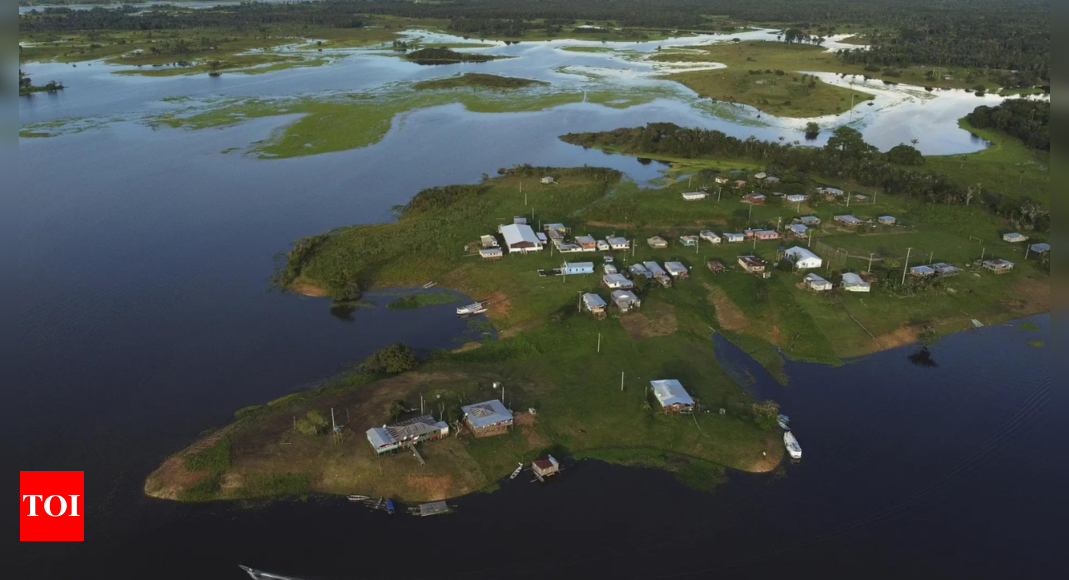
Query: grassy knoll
x=581, y=409
x=1007, y=166
x=477, y=81
x=767, y=75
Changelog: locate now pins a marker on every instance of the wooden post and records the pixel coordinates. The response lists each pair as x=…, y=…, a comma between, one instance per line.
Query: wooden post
x=621, y=381
x=905, y=268
x=599, y=343
x=870, y=262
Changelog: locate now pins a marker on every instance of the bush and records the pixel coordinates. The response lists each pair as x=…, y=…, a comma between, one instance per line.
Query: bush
x=312, y=424
x=394, y=359
x=215, y=459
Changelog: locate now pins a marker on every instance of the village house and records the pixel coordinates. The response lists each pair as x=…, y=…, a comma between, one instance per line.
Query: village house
x=594, y=304
x=796, y=198
x=848, y=220
x=491, y=253
x=616, y=281
x=603, y=246
x=676, y=270
x=922, y=271
x=946, y=270
x=817, y=284
x=657, y=243
x=715, y=266
x=688, y=241
x=587, y=243
x=1014, y=238
x=854, y=283
x=887, y=220
x=544, y=468
x=655, y=269
x=735, y=238
x=672, y=397
x=810, y=220
x=548, y=180
x=618, y=244
x=998, y=266
x=488, y=242
x=799, y=230
x=406, y=434
x=760, y=175
x=520, y=238
x=626, y=300
x=487, y=419
x=830, y=191
x=752, y=264
x=640, y=270
x=556, y=231
x=766, y=235
x=772, y=179
x=861, y=197
x=722, y=180
x=1040, y=248
x=803, y=259
x=710, y=237
x=577, y=268
x=740, y=184
x=695, y=195
x=609, y=269
x=754, y=198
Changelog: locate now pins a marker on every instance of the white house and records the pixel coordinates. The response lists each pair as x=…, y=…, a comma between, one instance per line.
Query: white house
x=616, y=281
x=710, y=237
x=609, y=269
x=491, y=253
x=618, y=244
x=676, y=269
x=577, y=268
x=657, y=243
x=853, y=283
x=641, y=270
x=520, y=238
x=735, y=238
x=695, y=195
x=796, y=198
x=816, y=283
x=672, y=396
x=1014, y=238
x=888, y=220
x=804, y=259
x=625, y=300
x=548, y=180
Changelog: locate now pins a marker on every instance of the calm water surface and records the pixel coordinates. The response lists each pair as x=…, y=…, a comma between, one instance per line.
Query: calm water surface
x=145, y=316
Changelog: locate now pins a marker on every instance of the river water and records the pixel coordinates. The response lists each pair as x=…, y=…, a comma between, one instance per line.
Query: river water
x=146, y=316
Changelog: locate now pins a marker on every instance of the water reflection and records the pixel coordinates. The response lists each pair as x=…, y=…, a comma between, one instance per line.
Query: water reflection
x=923, y=358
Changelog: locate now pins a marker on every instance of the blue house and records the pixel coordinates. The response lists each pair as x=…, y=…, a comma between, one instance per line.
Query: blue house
x=574, y=268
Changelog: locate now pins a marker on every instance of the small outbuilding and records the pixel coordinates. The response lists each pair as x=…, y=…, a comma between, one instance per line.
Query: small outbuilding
x=922, y=271
x=695, y=195
x=816, y=283
x=848, y=220
x=594, y=304
x=998, y=266
x=491, y=253
x=710, y=237
x=487, y=419
x=1040, y=248
x=488, y=242
x=887, y=220
x=609, y=269
x=716, y=266
x=803, y=258
x=543, y=468
x=946, y=270
x=1014, y=238
x=672, y=397
x=855, y=283
x=626, y=300
x=657, y=243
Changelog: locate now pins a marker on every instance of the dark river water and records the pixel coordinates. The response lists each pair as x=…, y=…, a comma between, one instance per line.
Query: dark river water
x=146, y=316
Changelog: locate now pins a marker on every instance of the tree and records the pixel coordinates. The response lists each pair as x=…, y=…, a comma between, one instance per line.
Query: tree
x=394, y=359
x=766, y=414
x=812, y=131
x=905, y=155
x=849, y=144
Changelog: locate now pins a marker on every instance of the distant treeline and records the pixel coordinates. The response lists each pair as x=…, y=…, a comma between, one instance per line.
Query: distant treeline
x=1029, y=121
x=846, y=156
x=1011, y=36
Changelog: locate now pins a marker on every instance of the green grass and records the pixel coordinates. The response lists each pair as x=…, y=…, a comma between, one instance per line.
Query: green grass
x=215, y=458
x=1006, y=166
x=421, y=300
x=477, y=80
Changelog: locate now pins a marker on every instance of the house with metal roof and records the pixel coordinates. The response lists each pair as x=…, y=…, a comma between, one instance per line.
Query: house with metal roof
x=887, y=220
x=854, y=283
x=520, y=238
x=594, y=304
x=716, y=266
x=556, y=231
x=695, y=195
x=626, y=300
x=922, y=271
x=609, y=269
x=688, y=241
x=754, y=198
x=796, y=198
x=733, y=238
x=998, y=266
x=1040, y=248
x=752, y=264
x=406, y=434
x=672, y=397
x=766, y=235
x=946, y=270
x=834, y=191
x=616, y=281
x=638, y=269
x=657, y=243
x=710, y=236
x=618, y=243
x=491, y=253
x=771, y=179
x=810, y=220
x=816, y=283
x=676, y=269
x=487, y=419
x=655, y=269
x=803, y=258
x=577, y=268
x=849, y=220
x=800, y=230
x=488, y=242
x=588, y=243
x=760, y=175
x=543, y=468
x=1014, y=238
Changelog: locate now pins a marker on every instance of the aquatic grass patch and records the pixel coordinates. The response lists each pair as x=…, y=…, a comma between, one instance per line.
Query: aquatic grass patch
x=477, y=80
x=422, y=300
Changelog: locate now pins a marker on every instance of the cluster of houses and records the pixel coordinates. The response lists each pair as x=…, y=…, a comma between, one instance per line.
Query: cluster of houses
x=1018, y=238
x=485, y=419
x=852, y=282
x=520, y=238
x=622, y=296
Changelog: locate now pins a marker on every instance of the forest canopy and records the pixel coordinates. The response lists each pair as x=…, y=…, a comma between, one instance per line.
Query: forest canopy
x=1029, y=121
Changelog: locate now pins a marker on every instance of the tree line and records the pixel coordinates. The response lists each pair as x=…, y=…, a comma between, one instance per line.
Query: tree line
x=1029, y=121
x=846, y=156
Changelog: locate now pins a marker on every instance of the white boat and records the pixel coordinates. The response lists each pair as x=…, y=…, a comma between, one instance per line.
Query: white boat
x=784, y=426
x=471, y=309
x=516, y=473
x=793, y=448
x=359, y=498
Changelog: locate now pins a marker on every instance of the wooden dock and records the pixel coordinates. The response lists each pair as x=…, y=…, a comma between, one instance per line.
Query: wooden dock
x=436, y=508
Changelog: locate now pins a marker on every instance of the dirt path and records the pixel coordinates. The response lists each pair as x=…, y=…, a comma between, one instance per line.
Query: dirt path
x=728, y=313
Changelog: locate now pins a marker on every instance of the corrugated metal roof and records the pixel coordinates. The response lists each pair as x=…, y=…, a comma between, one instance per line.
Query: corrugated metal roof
x=799, y=253
x=593, y=301
x=488, y=413
x=675, y=268
x=670, y=392
x=519, y=234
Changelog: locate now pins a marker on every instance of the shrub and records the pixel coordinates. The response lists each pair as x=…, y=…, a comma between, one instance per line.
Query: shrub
x=394, y=359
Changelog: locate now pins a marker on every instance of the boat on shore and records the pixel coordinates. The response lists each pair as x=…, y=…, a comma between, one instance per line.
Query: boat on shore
x=390, y=508
x=784, y=426
x=472, y=309
x=516, y=473
x=359, y=498
x=791, y=443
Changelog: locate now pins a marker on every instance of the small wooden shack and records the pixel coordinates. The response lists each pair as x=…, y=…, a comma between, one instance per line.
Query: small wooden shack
x=715, y=266
x=544, y=468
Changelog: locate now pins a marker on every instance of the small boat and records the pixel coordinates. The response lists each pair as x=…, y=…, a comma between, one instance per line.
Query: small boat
x=791, y=443
x=471, y=309
x=784, y=419
x=429, y=285
x=784, y=426
x=390, y=508
x=359, y=498
x=516, y=473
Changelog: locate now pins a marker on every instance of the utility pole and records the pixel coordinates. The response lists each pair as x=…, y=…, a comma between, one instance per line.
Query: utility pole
x=422, y=406
x=621, y=381
x=870, y=262
x=810, y=245
x=719, y=194
x=983, y=254
x=931, y=258
x=580, y=301
x=905, y=268
x=634, y=247
x=749, y=217
x=599, y=343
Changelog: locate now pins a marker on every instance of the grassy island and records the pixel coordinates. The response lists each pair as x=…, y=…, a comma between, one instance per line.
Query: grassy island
x=477, y=81
x=442, y=55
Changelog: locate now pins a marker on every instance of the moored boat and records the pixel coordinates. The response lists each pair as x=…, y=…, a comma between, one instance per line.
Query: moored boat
x=390, y=509
x=359, y=498
x=784, y=426
x=471, y=309
x=516, y=473
x=791, y=443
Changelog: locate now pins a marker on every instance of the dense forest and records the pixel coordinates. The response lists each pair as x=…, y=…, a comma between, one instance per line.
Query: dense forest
x=1029, y=121
x=846, y=156
x=1013, y=37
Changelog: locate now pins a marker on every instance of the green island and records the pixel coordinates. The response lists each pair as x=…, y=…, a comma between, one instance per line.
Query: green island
x=477, y=81
x=440, y=55
x=27, y=88
x=592, y=402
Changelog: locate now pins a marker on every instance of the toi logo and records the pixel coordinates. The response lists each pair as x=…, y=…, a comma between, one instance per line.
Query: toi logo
x=52, y=506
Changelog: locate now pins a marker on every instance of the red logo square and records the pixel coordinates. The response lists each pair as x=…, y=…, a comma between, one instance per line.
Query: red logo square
x=53, y=506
